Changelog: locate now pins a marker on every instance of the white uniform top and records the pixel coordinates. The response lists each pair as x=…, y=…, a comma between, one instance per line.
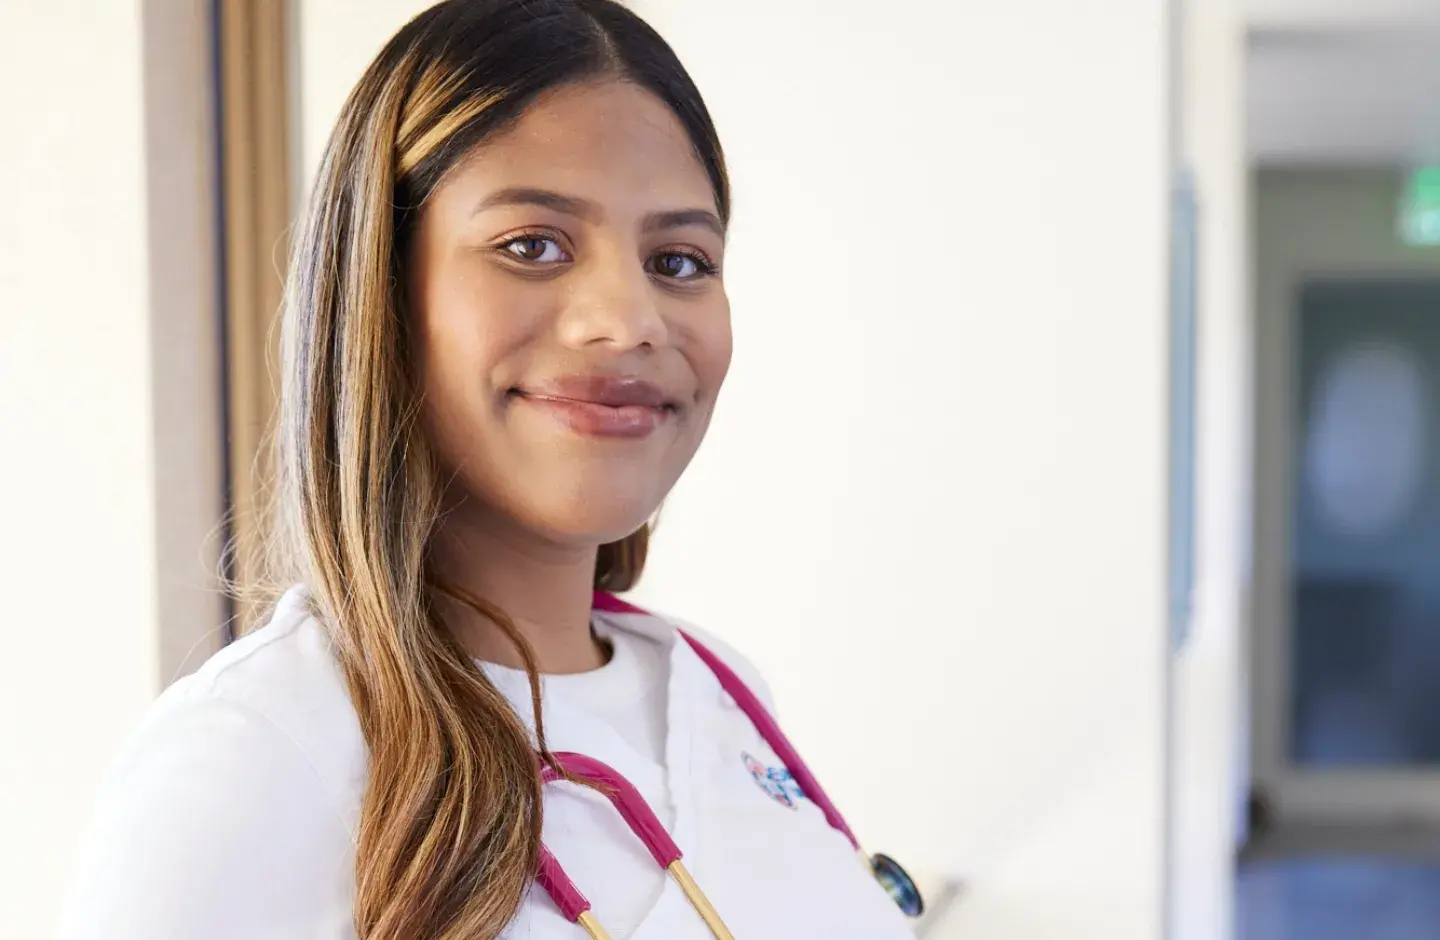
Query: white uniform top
x=232, y=813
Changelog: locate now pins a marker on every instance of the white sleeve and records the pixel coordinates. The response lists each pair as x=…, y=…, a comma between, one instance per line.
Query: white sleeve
x=212, y=825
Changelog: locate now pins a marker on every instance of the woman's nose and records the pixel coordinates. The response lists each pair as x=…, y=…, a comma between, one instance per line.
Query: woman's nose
x=612, y=302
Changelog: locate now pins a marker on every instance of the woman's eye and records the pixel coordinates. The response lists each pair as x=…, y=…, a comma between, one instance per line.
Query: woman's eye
x=680, y=266
x=536, y=249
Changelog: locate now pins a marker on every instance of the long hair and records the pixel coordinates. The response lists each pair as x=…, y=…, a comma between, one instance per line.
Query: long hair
x=450, y=822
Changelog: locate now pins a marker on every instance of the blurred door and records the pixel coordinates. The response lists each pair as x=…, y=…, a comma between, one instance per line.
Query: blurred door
x=1361, y=683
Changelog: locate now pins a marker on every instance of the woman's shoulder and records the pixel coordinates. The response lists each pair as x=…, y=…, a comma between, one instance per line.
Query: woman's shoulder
x=283, y=678
x=229, y=811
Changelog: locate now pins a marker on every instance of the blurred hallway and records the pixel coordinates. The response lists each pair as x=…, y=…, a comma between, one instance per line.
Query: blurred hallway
x=1341, y=102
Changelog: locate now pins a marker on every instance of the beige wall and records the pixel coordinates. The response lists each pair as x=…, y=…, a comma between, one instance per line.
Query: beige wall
x=110, y=482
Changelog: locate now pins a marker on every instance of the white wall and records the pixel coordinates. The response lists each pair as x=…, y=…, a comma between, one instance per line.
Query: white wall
x=335, y=40
x=1208, y=734
x=946, y=549
x=110, y=477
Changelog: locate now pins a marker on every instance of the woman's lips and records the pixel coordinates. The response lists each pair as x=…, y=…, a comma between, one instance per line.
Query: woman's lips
x=602, y=406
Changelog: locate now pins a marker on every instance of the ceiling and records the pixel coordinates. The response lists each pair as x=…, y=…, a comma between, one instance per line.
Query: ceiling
x=1343, y=82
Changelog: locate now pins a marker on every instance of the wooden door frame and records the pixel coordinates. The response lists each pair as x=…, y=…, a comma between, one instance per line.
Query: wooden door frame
x=181, y=205
x=253, y=44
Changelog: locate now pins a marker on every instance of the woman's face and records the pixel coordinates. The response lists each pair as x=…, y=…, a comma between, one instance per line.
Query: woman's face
x=574, y=330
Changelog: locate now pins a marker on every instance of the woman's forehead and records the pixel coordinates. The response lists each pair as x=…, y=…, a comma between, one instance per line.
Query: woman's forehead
x=608, y=143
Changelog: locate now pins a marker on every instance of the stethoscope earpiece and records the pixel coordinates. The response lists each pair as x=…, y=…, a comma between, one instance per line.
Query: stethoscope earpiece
x=898, y=884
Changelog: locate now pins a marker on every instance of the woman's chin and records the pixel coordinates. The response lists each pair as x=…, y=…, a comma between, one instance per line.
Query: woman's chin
x=594, y=524
x=564, y=510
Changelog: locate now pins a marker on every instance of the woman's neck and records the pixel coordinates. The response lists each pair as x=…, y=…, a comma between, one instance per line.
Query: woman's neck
x=545, y=589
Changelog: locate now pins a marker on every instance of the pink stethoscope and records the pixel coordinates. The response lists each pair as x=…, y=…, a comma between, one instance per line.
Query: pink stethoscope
x=643, y=822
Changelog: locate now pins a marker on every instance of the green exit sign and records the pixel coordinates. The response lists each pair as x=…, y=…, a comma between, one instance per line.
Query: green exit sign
x=1419, y=221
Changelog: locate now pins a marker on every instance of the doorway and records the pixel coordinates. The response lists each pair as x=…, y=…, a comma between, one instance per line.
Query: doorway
x=1360, y=704
x=1347, y=638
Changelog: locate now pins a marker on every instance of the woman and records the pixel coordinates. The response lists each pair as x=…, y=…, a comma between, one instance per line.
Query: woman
x=505, y=333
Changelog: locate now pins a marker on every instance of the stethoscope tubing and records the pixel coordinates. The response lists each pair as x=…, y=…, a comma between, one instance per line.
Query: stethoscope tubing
x=770, y=731
x=641, y=819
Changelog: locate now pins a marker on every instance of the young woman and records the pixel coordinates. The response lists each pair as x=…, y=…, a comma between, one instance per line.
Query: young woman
x=505, y=332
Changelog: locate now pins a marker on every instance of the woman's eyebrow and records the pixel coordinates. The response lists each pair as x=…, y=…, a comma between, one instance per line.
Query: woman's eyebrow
x=680, y=218
x=589, y=211
x=544, y=198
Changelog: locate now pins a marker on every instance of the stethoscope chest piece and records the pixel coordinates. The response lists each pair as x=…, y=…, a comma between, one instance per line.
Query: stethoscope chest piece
x=898, y=884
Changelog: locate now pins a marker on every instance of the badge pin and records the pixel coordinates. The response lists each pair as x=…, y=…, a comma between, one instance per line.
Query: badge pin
x=777, y=782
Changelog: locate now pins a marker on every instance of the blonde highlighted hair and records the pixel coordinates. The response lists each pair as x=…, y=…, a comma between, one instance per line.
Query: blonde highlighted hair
x=450, y=823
